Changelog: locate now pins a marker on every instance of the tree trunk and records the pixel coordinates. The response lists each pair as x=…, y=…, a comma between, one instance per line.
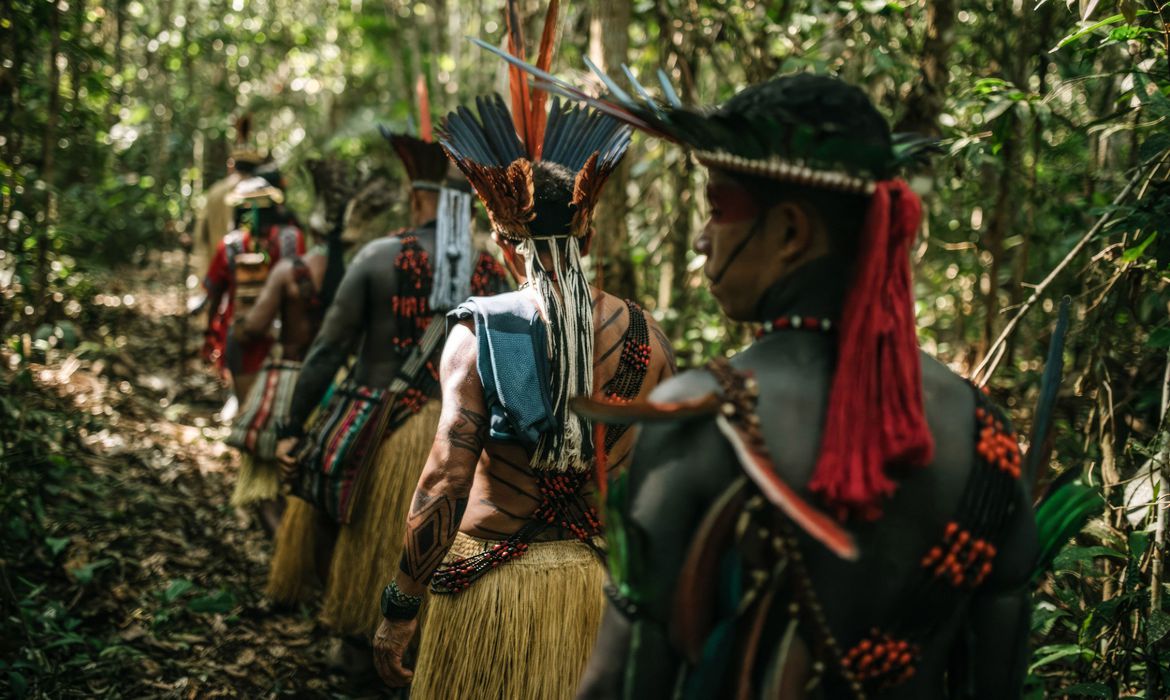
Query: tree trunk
x=924, y=104
x=48, y=156
x=609, y=45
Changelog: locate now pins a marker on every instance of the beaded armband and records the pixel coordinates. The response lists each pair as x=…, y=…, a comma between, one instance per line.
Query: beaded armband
x=633, y=365
x=397, y=605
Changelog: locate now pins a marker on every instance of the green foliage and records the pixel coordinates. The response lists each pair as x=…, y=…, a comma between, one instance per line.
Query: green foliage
x=115, y=116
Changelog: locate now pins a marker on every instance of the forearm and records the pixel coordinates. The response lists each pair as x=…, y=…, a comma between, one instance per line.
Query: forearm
x=441, y=497
x=321, y=364
x=330, y=348
x=214, y=298
x=435, y=513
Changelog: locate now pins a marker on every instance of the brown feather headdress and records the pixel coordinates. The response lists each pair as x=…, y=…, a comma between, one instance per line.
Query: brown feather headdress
x=518, y=162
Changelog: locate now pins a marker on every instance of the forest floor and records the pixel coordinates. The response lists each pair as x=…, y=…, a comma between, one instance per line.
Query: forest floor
x=124, y=572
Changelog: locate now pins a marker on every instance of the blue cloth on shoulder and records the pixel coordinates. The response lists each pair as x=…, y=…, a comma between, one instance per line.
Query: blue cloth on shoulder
x=513, y=365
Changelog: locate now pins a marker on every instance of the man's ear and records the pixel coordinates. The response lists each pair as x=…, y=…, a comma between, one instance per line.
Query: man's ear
x=791, y=229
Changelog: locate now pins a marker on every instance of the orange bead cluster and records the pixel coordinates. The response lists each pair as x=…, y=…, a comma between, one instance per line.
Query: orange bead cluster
x=881, y=661
x=997, y=446
x=489, y=276
x=410, y=305
x=413, y=400
x=962, y=560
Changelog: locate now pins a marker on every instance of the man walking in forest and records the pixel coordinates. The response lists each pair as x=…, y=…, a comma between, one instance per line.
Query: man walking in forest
x=359, y=462
x=215, y=218
x=265, y=233
x=503, y=526
x=294, y=294
x=730, y=582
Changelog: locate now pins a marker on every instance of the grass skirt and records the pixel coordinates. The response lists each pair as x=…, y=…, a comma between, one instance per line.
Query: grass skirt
x=367, y=551
x=259, y=480
x=524, y=630
x=294, y=574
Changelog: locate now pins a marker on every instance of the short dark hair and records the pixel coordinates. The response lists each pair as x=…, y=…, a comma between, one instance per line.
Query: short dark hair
x=552, y=186
x=245, y=167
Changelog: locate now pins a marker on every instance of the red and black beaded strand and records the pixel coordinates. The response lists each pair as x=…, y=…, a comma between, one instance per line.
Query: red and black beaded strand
x=633, y=365
x=489, y=277
x=561, y=505
x=795, y=322
x=410, y=301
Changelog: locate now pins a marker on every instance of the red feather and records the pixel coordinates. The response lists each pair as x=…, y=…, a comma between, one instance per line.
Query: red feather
x=517, y=81
x=537, y=116
x=425, y=131
x=761, y=471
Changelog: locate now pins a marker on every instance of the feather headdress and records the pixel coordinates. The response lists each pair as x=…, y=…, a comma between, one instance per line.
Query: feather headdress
x=539, y=171
x=427, y=167
x=499, y=149
x=818, y=132
x=425, y=162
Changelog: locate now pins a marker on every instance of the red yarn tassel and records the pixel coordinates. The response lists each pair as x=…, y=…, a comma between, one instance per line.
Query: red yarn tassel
x=875, y=417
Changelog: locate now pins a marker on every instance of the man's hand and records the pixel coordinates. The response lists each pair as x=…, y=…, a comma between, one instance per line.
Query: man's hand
x=390, y=642
x=284, y=456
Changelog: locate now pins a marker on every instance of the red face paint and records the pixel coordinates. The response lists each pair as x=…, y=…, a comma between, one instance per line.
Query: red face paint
x=731, y=204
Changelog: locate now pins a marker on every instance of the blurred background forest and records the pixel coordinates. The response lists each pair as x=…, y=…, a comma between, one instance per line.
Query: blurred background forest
x=115, y=115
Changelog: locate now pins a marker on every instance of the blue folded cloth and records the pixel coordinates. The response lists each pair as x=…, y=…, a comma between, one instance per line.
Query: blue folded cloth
x=513, y=365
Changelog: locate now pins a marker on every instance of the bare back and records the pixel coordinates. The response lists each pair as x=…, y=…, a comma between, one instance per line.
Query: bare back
x=504, y=493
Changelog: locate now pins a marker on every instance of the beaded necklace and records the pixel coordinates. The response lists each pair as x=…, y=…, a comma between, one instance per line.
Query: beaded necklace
x=795, y=322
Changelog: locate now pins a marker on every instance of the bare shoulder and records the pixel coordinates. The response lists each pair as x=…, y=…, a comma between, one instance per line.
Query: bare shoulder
x=378, y=250
x=460, y=350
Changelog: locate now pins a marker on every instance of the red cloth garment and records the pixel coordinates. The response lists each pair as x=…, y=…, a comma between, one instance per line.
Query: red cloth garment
x=875, y=417
x=280, y=240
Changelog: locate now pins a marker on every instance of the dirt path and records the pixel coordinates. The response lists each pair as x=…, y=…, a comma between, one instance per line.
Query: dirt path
x=134, y=577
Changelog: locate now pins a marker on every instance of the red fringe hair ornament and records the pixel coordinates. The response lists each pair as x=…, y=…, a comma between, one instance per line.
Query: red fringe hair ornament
x=876, y=419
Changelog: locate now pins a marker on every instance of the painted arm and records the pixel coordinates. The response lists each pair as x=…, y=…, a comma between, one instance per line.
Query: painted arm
x=439, y=500
x=255, y=325
x=445, y=482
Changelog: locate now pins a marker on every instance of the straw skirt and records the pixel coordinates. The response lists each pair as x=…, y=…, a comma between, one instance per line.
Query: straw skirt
x=524, y=630
x=366, y=555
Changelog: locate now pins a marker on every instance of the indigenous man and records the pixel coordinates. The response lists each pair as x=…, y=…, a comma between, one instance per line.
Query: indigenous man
x=294, y=294
x=215, y=219
x=386, y=302
x=265, y=233
x=730, y=584
x=502, y=525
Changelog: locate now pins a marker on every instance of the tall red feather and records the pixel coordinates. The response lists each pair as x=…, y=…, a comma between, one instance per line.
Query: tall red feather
x=537, y=116
x=518, y=83
x=425, y=130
